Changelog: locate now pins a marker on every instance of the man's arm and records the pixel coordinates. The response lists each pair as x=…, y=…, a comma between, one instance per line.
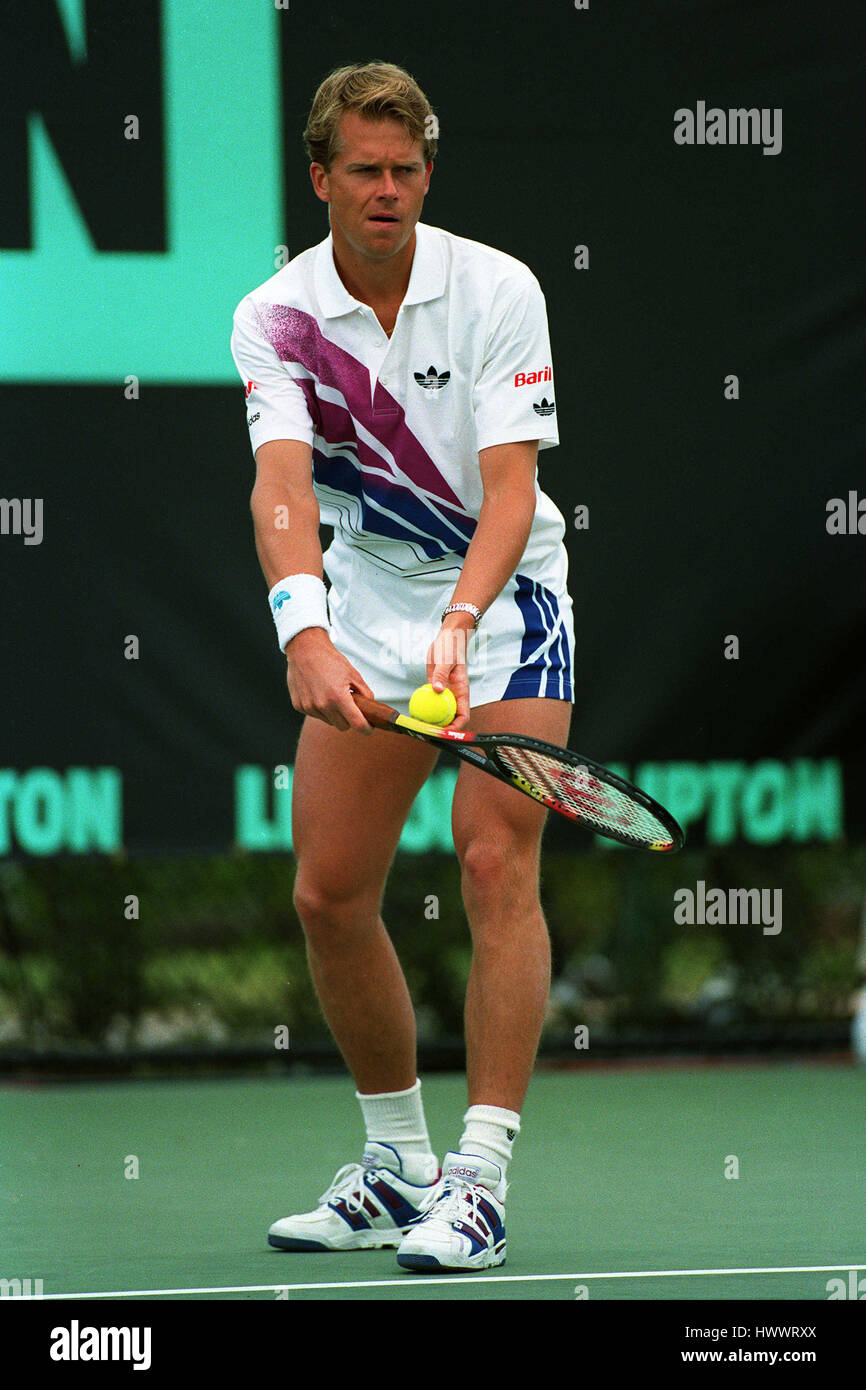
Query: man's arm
x=504, y=523
x=318, y=676
x=283, y=484
x=499, y=540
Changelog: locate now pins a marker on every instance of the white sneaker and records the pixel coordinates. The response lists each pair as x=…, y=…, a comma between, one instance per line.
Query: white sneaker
x=464, y=1228
x=369, y=1205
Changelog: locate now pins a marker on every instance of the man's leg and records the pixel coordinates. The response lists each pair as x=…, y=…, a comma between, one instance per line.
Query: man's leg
x=497, y=836
x=351, y=796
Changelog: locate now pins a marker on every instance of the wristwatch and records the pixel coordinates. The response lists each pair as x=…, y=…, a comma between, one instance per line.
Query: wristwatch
x=463, y=608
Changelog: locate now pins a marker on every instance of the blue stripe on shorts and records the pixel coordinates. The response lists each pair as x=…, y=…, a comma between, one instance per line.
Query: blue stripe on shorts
x=545, y=662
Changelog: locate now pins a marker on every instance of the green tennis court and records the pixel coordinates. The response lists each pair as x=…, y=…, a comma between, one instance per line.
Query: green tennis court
x=618, y=1188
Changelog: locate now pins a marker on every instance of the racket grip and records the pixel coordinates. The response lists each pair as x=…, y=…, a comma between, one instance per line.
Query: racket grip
x=375, y=713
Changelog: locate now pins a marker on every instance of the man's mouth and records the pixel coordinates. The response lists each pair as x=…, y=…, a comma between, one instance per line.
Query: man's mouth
x=383, y=217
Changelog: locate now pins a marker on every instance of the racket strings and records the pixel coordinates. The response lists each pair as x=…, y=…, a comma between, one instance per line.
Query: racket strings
x=597, y=804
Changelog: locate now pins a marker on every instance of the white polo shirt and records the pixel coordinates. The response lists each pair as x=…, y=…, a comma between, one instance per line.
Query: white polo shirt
x=395, y=424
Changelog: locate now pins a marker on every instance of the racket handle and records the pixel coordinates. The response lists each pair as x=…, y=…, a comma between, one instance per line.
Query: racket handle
x=375, y=713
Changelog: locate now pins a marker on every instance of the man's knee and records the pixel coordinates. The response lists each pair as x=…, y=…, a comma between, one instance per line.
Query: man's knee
x=498, y=866
x=331, y=912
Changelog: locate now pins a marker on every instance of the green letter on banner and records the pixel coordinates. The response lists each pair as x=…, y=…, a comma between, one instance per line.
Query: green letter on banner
x=73, y=313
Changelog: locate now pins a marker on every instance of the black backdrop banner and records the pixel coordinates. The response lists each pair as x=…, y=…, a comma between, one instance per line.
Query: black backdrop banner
x=705, y=283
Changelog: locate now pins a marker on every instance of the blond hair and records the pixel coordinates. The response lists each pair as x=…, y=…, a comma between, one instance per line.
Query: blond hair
x=378, y=91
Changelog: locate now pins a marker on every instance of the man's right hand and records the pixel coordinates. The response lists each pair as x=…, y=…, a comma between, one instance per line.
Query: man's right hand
x=320, y=681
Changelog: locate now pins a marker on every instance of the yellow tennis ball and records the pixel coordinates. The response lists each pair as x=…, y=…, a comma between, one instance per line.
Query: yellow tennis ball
x=426, y=705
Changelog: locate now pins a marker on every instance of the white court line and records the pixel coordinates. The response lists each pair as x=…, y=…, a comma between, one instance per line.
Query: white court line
x=412, y=1283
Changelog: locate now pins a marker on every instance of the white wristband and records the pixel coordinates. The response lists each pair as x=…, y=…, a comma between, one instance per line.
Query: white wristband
x=298, y=601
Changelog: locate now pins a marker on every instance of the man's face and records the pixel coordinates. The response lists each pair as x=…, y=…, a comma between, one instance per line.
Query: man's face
x=375, y=186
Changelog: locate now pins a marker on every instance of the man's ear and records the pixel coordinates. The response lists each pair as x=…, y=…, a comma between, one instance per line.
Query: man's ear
x=319, y=180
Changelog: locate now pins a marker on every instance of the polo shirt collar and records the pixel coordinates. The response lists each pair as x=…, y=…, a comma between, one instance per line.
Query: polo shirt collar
x=426, y=278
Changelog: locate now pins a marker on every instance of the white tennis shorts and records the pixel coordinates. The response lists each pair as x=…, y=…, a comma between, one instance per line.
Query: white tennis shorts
x=384, y=624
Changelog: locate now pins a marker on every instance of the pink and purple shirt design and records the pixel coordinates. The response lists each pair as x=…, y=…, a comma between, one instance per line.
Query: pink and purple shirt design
x=405, y=500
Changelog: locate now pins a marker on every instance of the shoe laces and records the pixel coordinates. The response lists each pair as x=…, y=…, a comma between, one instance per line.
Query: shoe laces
x=348, y=1183
x=451, y=1205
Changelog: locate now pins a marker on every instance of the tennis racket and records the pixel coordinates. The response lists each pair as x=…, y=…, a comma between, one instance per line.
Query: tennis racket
x=563, y=781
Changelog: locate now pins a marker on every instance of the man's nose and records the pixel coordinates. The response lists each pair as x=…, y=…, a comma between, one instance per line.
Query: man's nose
x=387, y=186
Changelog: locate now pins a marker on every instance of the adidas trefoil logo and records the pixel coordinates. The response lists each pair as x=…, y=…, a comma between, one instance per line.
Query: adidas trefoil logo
x=544, y=406
x=433, y=381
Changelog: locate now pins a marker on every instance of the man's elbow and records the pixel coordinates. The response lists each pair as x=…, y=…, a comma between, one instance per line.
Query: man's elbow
x=518, y=503
x=274, y=505
x=257, y=500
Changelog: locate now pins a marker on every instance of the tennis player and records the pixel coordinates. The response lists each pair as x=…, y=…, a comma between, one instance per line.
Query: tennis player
x=399, y=387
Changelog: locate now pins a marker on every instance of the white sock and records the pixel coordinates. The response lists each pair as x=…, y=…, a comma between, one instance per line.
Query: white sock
x=397, y=1118
x=490, y=1133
